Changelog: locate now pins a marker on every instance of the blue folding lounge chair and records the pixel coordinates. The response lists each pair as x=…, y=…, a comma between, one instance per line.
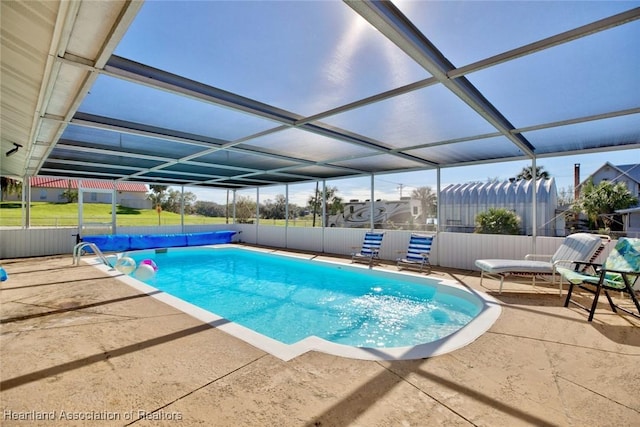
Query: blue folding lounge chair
x=370, y=251
x=417, y=253
x=576, y=247
x=619, y=272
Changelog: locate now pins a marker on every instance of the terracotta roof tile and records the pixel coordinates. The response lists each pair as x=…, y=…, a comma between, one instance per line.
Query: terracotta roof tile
x=47, y=182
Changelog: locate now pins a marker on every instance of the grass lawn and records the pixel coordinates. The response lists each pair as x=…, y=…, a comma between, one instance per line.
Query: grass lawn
x=45, y=214
x=66, y=214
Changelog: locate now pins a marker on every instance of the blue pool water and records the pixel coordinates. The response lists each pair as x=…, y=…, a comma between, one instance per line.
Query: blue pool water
x=289, y=299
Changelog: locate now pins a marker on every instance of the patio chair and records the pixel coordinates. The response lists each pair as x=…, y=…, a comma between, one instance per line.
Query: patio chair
x=370, y=250
x=417, y=256
x=619, y=272
x=576, y=247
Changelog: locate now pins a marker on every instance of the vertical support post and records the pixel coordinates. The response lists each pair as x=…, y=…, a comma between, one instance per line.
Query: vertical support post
x=257, y=215
x=80, y=207
x=286, y=215
x=576, y=181
x=324, y=209
x=371, y=205
x=438, y=204
x=226, y=209
x=323, y=206
x=26, y=202
x=257, y=205
x=438, y=213
x=234, y=206
x=114, y=195
x=534, y=206
x=182, y=209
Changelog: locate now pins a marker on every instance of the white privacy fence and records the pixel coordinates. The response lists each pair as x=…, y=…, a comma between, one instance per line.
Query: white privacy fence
x=454, y=250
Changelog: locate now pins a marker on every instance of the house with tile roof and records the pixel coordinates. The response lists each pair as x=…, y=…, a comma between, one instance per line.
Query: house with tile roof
x=48, y=189
x=630, y=176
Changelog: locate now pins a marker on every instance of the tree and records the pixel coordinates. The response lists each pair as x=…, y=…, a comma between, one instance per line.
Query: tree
x=70, y=194
x=275, y=209
x=334, y=203
x=527, y=173
x=172, y=201
x=189, y=201
x=428, y=200
x=497, y=221
x=158, y=195
x=9, y=186
x=600, y=201
x=209, y=209
x=245, y=209
x=565, y=196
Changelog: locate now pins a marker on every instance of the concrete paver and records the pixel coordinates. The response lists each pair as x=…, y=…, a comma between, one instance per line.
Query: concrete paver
x=80, y=348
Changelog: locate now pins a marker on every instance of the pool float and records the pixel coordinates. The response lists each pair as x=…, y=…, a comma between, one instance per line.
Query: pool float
x=149, y=262
x=125, y=265
x=144, y=272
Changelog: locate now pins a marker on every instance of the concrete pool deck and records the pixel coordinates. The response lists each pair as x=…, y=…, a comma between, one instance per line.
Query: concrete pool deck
x=79, y=347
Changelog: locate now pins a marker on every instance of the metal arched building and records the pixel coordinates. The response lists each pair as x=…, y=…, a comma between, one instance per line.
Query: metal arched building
x=461, y=203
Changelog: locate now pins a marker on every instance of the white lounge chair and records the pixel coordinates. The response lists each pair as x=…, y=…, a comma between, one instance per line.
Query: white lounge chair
x=576, y=247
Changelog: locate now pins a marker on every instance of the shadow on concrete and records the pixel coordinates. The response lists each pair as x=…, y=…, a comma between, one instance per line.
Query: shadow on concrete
x=89, y=360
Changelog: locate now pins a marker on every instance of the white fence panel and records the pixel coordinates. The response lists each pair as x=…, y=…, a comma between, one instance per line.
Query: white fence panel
x=203, y=228
x=343, y=241
x=454, y=250
x=32, y=242
x=460, y=250
x=305, y=239
x=272, y=235
x=246, y=233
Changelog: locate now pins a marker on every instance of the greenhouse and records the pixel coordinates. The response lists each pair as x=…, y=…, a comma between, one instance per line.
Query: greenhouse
x=460, y=204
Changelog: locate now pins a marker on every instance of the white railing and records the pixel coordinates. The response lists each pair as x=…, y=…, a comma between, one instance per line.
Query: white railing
x=82, y=246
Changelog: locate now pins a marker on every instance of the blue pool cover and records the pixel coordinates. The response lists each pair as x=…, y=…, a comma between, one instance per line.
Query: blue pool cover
x=125, y=242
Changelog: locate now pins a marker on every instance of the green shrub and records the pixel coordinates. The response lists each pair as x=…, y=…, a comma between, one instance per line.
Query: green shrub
x=497, y=221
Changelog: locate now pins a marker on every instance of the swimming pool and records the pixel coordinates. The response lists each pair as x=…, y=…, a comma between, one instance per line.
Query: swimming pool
x=288, y=305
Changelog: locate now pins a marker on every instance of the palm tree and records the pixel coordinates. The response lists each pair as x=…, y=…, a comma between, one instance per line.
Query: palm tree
x=600, y=201
x=527, y=173
x=428, y=200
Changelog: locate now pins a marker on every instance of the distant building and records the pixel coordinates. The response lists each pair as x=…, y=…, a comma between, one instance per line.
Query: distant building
x=461, y=203
x=403, y=213
x=630, y=176
x=128, y=194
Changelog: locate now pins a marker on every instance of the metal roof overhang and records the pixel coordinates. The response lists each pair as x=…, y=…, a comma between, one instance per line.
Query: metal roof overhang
x=54, y=52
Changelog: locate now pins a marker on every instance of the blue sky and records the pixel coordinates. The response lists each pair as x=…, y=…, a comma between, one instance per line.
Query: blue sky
x=388, y=185
x=316, y=55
